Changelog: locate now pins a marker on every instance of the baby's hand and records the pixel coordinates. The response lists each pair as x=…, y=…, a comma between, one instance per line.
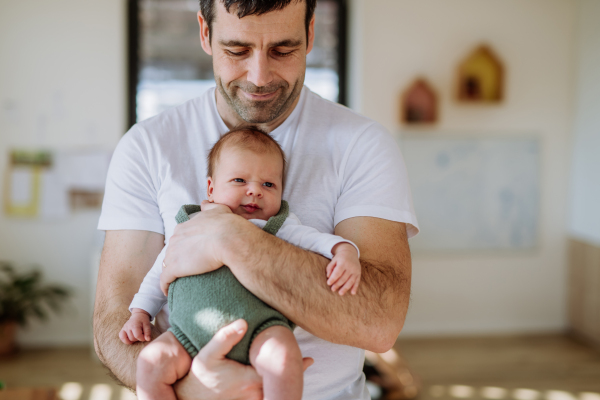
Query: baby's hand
x=343, y=272
x=137, y=328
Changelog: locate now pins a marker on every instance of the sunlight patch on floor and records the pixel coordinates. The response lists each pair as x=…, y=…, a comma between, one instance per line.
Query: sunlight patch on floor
x=71, y=391
x=101, y=392
x=499, y=393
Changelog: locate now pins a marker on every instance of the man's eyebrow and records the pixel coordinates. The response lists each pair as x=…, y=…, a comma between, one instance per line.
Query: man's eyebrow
x=239, y=43
x=287, y=43
x=234, y=43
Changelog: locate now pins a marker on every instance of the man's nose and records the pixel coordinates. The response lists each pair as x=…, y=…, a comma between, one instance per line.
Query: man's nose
x=259, y=70
x=254, y=189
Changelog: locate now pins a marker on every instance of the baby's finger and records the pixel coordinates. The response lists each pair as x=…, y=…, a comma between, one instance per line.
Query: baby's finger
x=124, y=338
x=355, y=287
x=131, y=336
x=147, y=331
x=335, y=275
x=347, y=286
x=330, y=267
x=340, y=282
x=138, y=333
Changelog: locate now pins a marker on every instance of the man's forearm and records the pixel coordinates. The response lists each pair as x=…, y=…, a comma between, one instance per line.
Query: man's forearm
x=119, y=358
x=126, y=258
x=294, y=281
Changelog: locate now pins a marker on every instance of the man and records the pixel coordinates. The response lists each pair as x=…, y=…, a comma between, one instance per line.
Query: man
x=345, y=175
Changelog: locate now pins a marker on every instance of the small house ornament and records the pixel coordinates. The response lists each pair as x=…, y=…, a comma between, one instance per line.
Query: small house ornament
x=481, y=77
x=419, y=104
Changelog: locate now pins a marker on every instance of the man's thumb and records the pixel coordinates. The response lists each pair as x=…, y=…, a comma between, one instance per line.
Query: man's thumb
x=224, y=340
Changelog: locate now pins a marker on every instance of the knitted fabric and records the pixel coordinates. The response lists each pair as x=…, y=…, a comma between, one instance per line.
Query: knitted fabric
x=200, y=305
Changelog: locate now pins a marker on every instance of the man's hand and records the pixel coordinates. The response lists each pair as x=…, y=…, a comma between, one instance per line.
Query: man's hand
x=209, y=205
x=213, y=376
x=194, y=247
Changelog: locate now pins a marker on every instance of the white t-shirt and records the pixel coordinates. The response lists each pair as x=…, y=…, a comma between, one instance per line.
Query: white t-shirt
x=341, y=165
x=151, y=299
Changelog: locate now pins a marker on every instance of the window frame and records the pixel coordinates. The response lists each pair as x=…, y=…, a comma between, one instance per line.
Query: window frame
x=133, y=58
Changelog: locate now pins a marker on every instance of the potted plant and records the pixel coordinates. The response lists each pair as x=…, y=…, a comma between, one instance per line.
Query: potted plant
x=23, y=297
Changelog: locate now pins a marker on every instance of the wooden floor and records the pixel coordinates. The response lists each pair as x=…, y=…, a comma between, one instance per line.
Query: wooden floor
x=520, y=368
x=511, y=368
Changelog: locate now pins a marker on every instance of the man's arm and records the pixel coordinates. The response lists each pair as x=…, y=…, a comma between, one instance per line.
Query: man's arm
x=126, y=258
x=294, y=280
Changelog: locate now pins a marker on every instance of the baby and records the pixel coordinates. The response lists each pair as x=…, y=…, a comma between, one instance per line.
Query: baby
x=245, y=172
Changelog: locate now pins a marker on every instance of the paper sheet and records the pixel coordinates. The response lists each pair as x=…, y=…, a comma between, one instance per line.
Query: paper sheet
x=21, y=187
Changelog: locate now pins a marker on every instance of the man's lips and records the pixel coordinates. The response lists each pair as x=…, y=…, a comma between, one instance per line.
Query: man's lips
x=259, y=96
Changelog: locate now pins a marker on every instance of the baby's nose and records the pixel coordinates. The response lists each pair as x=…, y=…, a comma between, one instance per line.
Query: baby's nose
x=254, y=189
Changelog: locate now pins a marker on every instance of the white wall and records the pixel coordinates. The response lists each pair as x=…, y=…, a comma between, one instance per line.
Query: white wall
x=62, y=82
x=62, y=85
x=400, y=39
x=585, y=176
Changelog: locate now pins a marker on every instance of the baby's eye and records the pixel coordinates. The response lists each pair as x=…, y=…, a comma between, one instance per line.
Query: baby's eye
x=240, y=180
x=268, y=184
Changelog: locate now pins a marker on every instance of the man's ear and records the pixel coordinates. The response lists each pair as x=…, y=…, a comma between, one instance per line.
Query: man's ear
x=311, y=35
x=204, y=34
x=209, y=188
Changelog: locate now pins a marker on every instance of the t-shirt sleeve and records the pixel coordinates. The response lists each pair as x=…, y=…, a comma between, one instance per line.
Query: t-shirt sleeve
x=374, y=181
x=130, y=198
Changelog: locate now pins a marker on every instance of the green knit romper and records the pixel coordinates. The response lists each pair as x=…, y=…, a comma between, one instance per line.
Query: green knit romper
x=200, y=305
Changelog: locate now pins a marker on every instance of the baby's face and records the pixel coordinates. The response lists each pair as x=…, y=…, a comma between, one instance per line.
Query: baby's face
x=250, y=184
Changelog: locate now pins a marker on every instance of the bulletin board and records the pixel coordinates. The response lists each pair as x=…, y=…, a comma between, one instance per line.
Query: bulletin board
x=474, y=193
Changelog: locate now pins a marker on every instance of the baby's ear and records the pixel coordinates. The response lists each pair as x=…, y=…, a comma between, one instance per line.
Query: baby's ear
x=209, y=188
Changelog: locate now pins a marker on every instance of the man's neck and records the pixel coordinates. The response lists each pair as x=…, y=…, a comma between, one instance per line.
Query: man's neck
x=233, y=120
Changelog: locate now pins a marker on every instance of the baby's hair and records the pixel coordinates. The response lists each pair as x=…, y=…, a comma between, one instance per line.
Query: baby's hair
x=247, y=138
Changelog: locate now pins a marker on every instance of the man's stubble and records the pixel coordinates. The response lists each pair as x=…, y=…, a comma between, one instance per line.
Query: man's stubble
x=260, y=112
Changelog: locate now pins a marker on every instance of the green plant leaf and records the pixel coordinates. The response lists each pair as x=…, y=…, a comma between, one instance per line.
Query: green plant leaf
x=23, y=295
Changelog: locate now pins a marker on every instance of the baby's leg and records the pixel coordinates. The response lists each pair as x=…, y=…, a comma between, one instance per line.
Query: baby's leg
x=275, y=355
x=160, y=364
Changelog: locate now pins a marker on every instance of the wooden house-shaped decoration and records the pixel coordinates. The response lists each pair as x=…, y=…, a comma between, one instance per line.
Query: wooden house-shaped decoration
x=481, y=77
x=419, y=104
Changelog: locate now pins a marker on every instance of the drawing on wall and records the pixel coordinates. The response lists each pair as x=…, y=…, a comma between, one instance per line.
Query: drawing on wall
x=49, y=184
x=23, y=181
x=474, y=194
x=419, y=104
x=481, y=77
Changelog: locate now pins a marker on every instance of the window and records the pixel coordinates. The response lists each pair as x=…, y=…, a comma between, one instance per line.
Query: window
x=167, y=65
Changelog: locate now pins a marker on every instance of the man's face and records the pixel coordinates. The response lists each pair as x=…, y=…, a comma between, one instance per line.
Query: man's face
x=259, y=61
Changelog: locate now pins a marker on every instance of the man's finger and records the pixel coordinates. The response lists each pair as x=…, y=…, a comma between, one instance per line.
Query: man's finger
x=307, y=362
x=164, y=284
x=223, y=341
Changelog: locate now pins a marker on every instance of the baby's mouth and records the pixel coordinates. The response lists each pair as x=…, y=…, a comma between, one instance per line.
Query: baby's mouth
x=250, y=208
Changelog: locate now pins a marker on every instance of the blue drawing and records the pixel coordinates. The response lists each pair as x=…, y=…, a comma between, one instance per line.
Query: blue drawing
x=474, y=194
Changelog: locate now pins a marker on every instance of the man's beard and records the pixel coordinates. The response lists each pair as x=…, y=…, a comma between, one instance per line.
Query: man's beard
x=257, y=111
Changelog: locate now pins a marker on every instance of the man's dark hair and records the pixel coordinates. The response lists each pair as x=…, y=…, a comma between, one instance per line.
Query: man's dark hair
x=253, y=7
